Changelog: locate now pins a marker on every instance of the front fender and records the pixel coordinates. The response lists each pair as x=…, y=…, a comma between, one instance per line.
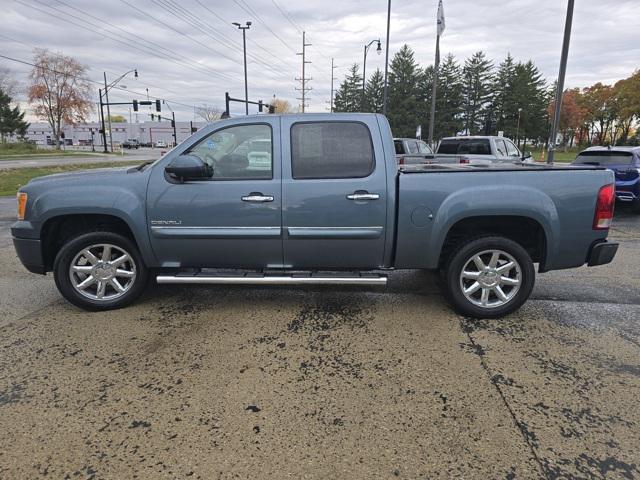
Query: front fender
x=120, y=202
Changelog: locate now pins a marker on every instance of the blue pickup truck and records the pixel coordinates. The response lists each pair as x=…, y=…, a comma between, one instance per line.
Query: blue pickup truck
x=311, y=199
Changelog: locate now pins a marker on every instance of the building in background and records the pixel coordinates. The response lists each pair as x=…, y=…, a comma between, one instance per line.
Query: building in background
x=82, y=134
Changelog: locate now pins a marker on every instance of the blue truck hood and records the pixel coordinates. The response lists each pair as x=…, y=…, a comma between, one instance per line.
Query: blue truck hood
x=81, y=176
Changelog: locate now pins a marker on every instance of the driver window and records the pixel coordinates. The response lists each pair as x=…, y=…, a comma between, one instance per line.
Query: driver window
x=238, y=153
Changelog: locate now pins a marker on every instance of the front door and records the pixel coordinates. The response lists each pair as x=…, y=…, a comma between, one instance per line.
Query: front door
x=234, y=218
x=334, y=193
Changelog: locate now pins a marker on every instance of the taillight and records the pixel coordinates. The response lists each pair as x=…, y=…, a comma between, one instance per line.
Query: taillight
x=401, y=161
x=464, y=160
x=604, y=207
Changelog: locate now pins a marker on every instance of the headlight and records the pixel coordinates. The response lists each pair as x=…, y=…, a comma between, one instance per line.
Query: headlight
x=22, y=204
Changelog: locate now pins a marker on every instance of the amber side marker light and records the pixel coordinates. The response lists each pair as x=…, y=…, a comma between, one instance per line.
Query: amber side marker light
x=22, y=204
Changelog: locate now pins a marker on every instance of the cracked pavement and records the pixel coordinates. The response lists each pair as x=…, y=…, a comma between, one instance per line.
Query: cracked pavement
x=331, y=382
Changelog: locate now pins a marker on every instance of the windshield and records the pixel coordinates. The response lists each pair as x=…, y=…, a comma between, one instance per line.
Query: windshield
x=604, y=158
x=476, y=146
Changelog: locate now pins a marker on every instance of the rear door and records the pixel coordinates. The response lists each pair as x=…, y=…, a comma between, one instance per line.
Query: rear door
x=334, y=193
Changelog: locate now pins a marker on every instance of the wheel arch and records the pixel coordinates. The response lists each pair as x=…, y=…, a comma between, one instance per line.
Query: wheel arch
x=59, y=229
x=524, y=230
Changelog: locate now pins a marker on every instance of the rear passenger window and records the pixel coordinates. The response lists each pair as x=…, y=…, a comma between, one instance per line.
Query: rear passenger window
x=331, y=150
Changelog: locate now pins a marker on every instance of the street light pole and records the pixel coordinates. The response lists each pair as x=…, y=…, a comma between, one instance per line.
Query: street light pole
x=104, y=132
x=106, y=97
x=518, y=127
x=364, y=67
x=386, y=61
x=244, y=49
x=561, y=75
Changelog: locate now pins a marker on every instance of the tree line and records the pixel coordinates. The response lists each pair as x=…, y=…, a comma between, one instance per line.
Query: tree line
x=478, y=97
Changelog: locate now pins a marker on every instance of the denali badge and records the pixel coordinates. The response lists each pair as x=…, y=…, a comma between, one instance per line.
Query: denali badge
x=166, y=222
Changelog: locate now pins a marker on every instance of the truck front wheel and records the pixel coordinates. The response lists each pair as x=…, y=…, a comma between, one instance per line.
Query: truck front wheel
x=488, y=277
x=100, y=271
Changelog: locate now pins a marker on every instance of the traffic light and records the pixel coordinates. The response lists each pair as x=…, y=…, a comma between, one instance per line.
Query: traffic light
x=135, y=105
x=272, y=109
x=260, y=106
x=158, y=109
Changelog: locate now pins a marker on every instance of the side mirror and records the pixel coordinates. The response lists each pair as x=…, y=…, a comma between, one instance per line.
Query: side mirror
x=526, y=155
x=188, y=166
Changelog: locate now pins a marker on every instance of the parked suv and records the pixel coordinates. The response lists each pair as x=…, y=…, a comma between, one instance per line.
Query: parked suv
x=131, y=143
x=625, y=163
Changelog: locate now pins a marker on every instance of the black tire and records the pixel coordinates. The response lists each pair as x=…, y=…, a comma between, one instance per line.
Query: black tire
x=464, y=254
x=70, y=251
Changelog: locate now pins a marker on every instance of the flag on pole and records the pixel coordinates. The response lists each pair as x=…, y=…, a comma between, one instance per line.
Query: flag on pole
x=440, y=18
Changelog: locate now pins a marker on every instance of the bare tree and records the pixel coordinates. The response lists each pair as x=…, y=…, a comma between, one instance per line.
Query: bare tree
x=59, y=90
x=209, y=113
x=8, y=83
x=281, y=106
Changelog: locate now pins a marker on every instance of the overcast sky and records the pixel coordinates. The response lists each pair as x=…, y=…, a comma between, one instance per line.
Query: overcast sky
x=187, y=51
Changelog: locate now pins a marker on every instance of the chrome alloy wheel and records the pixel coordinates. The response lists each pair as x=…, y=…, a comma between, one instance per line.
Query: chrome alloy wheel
x=490, y=278
x=102, y=272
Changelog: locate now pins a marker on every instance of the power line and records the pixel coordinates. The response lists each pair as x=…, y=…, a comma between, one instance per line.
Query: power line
x=106, y=34
x=254, y=43
x=175, y=54
x=187, y=17
x=87, y=79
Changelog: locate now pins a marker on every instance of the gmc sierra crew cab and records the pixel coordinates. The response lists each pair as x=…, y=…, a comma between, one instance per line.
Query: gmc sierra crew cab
x=311, y=199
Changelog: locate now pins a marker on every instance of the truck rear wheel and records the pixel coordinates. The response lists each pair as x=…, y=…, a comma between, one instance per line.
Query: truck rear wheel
x=100, y=271
x=488, y=277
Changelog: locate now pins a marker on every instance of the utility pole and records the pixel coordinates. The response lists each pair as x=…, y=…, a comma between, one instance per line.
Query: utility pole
x=333, y=67
x=561, y=74
x=440, y=24
x=104, y=131
x=106, y=97
x=244, y=49
x=303, y=80
x=386, y=62
x=173, y=122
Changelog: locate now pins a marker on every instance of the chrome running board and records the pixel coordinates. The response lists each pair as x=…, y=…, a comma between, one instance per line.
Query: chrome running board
x=274, y=278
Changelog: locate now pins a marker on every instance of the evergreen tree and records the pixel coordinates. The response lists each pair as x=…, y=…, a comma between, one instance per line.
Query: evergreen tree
x=530, y=93
x=349, y=95
x=449, y=119
x=374, y=92
x=504, y=108
x=423, y=100
x=402, y=107
x=11, y=119
x=476, y=92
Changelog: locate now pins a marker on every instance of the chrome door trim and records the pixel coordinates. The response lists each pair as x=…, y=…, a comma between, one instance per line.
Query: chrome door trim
x=335, y=232
x=214, y=232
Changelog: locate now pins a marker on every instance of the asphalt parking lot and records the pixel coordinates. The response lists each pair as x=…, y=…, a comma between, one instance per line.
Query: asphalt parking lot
x=332, y=382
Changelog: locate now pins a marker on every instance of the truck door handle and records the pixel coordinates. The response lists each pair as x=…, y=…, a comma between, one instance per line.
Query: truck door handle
x=257, y=197
x=362, y=195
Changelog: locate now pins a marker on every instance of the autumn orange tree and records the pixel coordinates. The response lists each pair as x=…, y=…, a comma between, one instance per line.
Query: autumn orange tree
x=59, y=90
x=572, y=115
